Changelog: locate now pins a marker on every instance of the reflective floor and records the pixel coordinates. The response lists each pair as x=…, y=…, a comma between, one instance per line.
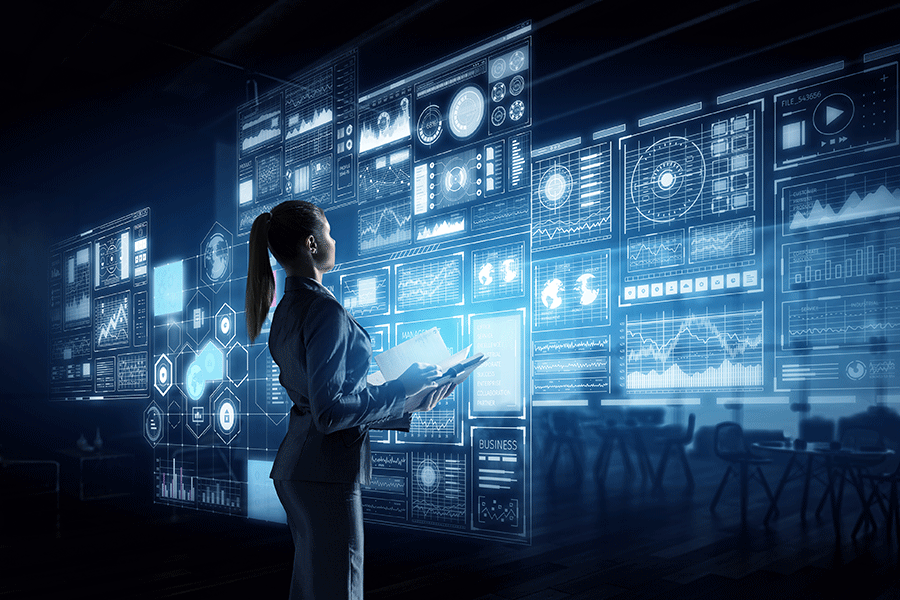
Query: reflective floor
x=620, y=540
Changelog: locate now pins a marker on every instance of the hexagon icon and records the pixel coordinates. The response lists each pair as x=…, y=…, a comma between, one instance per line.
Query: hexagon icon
x=227, y=410
x=237, y=362
x=173, y=337
x=198, y=415
x=225, y=325
x=162, y=375
x=153, y=424
x=174, y=410
x=197, y=318
x=216, y=257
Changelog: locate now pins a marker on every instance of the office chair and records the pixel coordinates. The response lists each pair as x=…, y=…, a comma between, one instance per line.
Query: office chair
x=730, y=446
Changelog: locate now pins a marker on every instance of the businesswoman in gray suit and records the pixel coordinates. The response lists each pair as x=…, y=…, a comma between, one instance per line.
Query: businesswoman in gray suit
x=324, y=356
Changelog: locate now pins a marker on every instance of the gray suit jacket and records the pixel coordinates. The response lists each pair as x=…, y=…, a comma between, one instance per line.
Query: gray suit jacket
x=324, y=357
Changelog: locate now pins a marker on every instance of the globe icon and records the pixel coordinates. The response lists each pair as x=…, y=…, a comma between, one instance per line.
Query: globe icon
x=215, y=257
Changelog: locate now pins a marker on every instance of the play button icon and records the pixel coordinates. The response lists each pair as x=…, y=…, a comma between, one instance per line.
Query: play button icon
x=833, y=114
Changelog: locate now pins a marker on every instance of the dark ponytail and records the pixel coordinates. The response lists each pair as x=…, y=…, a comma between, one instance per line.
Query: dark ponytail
x=260, y=279
x=281, y=231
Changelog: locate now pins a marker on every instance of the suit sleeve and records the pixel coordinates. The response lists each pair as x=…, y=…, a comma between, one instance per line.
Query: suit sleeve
x=337, y=363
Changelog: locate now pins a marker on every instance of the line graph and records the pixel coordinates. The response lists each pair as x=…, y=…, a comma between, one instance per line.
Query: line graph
x=702, y=350
x=112, y=321
x=721, y=241
x=656, y=251
x=430, y=283
x=385, y=226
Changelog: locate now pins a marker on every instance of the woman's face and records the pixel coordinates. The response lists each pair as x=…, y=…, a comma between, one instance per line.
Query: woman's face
x=325, y=248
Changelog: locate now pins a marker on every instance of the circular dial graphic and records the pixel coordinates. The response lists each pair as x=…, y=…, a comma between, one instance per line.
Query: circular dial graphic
x=517, y=110
x=498, y=116
x=153, y=419
x=430, y=125
x=516, y=85
x=668, y=179
x=555, y=187
x=498, y=92
x=517, y=60
x=428, y=475
x=467, y=112
x=498, y=68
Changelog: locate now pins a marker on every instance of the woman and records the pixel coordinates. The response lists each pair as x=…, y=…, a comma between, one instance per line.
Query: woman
x=324, y=356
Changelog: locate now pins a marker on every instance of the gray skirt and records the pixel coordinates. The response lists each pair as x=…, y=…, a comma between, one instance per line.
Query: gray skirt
x=327, y=526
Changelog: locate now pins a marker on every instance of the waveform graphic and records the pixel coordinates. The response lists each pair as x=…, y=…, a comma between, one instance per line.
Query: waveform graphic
x=842, y=321
x=267, y=127
x=571, y=345
x=298, y=126
x=389, y=460
x=384, y=483
x=720, y=241
x=656, y=251
x=385, y=226
x=441, y=226
x=698, y=351
x=508, y=212
x=435, y=423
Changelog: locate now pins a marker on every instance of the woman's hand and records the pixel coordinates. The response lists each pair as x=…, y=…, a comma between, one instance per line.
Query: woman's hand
x=430, y=400
x=418, y=377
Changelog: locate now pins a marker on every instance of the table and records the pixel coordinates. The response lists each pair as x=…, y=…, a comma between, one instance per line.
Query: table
x=838, y=463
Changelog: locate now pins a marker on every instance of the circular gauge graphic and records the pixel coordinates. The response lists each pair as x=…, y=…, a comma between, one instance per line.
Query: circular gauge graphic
x=517, y=110
x=467, y=112
x=517, y=61
x=225, y=325
x=517, y=85
x=456, y=181
x=428, y=476
x=153, y=419
x=498, y=68
x=430, y=125
x=215, y=257
x=667, y=179
x=498, y=116
x=555, y=187
x=498, y=92
x=856, y=370
x=833, y=114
